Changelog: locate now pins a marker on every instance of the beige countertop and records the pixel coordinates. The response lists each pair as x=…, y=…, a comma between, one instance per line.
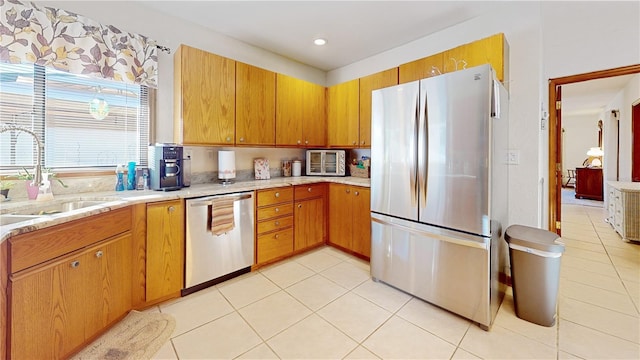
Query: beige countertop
x=112, y=200
x=625, y=185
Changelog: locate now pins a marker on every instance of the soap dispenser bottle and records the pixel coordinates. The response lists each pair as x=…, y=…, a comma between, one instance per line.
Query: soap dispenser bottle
x=120, y=178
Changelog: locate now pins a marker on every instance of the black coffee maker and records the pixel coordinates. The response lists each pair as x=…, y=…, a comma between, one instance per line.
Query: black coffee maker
x=165, y=167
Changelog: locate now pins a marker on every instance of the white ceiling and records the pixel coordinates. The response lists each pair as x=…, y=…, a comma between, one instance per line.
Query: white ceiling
x=355, y=30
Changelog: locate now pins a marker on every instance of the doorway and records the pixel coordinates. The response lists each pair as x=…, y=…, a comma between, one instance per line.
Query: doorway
x=635, y=141
x=555, y=138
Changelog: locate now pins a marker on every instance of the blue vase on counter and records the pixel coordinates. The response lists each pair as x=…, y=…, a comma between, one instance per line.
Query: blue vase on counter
x=131, y=176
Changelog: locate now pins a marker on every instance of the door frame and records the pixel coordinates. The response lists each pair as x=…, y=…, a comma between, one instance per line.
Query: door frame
x=555, y=138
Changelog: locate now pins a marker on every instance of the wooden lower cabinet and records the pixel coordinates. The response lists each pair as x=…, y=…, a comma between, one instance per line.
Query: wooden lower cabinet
x=310, y=216
x=165, y=250
x=350, y=218
x=274, y=214
x=58, y=306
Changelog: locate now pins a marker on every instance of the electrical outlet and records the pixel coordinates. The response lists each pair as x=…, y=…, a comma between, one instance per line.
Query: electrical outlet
x=513, y=157
x=210, y=154
x=188, y=154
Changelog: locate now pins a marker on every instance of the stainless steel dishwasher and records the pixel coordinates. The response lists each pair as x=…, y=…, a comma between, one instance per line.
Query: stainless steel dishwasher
x=209, y=258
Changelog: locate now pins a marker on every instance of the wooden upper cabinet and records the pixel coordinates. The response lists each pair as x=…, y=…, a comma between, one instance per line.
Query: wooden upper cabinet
x=314, y=127
x=421, y=68
x=300, y=113
x=493, y=50
x=343, y=113
x=367, y=85
x=204, y=98
x=255, y=106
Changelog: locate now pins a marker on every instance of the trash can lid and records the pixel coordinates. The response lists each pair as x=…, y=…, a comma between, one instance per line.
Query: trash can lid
x=534, y=238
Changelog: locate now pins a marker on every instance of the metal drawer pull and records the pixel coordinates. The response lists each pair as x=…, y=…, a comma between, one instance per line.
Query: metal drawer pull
x=348, y=191
x=99, y=253
x=277, y=223
x=171, y=208
x=309, y=189
x=277, y=236
x=299, y=206
x=357, y=193
x=277, y=194
x=75, y=264
x=277, y=209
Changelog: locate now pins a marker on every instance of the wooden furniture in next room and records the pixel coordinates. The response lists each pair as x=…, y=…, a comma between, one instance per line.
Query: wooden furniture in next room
x=589, y=183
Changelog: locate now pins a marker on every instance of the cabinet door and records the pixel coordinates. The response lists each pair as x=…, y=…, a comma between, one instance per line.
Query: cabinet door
x=165, y=249
x=314, y=124
x=340, y=202
x=361, y=221
x=343, y=112
x=309, y=223
x=367, y=85
x=205, y=98
x=289, y=110
x=109, y=267
x=47, y=309
x=491, y=50
x=421, y=68
x=255, y=105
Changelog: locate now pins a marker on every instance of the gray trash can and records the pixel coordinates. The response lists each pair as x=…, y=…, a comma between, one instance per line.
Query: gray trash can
x=535, y=272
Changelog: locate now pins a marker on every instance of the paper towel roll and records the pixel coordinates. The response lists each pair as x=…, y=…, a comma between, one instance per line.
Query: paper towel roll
x=226, y=164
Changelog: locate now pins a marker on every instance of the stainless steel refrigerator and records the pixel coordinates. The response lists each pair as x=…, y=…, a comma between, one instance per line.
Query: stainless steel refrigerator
x=439, y=182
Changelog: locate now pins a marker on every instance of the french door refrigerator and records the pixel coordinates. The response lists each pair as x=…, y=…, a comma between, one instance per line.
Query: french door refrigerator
x=439, y=190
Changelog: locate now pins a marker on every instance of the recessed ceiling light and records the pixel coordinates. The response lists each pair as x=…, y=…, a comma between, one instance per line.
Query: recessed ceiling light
x=319, y=41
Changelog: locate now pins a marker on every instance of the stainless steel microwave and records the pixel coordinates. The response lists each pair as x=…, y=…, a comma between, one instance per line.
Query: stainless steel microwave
x=326, y=162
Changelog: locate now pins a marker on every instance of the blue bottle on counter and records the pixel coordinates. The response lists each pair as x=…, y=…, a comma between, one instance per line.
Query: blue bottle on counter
x=131, y=176
x=120, y=178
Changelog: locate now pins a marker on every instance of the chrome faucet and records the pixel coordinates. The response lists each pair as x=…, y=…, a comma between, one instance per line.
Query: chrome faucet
x=37, y=179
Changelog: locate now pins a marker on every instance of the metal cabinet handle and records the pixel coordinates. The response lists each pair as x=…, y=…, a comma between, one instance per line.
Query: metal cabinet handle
x=75, y=264
x=277, y=236
x=228, y=139
x=277, y=210
x=348, y=191
x=306, y=142
x=99, y=253
x=241, y=139
x=355, y=142
x=299, y=206
x=362, y=142
x=309, y=189
x=299, y=142
x=277, y=194
x=171, y=209
x=277, y=223
x=357, y=193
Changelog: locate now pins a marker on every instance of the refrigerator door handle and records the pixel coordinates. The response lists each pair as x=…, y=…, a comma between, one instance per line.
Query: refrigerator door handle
x=412, y=172
x=423, y=152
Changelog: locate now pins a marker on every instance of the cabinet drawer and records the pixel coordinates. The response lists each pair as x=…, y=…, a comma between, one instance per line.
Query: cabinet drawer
x=309, y=191
x=275, y=196
x=274, y=245
x=274, y=224
x=275, y=210
x=39, y=246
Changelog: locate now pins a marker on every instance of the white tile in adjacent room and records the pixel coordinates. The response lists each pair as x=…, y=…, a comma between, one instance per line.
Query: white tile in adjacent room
x=197, y=309
x=361, y=353
x=501, y=343
x=261, y=351
x=346, y=275
x=287, y=273
x=382, y=294
x=318, y=260
x=440, y=322
x=593, y=344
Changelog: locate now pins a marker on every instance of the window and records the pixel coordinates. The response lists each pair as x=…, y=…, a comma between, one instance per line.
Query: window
x=56, y=106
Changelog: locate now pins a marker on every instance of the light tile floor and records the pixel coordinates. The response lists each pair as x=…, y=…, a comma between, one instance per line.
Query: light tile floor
x=324, y=305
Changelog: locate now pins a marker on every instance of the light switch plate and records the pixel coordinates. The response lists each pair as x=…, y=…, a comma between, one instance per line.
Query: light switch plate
x=513, y=157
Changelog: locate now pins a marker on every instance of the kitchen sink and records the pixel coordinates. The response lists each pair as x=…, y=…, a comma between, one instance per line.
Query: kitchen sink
x=9, y=219
x=60, y=207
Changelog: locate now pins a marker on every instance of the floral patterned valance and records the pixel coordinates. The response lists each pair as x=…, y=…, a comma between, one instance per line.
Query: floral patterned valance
x=75, y=44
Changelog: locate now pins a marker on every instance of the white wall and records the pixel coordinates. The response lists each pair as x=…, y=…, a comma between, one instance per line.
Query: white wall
x=580, y=134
